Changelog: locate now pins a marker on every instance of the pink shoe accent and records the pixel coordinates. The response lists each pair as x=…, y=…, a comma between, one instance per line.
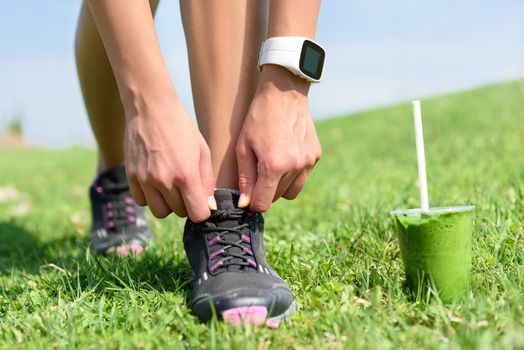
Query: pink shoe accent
x=122, y=251
x=272, y=324
x=216, y=265
x=214, y=254
x=253, y=315
x=136, y=248
x=213, y=241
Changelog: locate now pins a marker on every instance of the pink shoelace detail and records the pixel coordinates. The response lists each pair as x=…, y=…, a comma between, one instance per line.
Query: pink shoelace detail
x=117, y=211
x=231, y=252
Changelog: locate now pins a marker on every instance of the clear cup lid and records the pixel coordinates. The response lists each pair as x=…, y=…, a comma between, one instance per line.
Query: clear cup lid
x=433, y=211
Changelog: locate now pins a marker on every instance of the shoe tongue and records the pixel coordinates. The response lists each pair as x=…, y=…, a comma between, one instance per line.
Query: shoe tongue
x=226, y=199
x=114, y=177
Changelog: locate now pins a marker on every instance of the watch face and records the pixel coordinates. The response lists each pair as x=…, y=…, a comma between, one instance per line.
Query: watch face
x=312, y=60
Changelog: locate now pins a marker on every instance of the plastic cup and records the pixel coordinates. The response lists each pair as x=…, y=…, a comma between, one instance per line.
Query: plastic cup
x=435, y=246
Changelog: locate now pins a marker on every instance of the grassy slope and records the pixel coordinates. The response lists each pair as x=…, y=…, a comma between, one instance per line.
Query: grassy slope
x=334, y=245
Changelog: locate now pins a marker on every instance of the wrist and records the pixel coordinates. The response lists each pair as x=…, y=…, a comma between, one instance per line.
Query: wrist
x=134, y=88
x=136, y=83
x=278, y=78
x=141, y=102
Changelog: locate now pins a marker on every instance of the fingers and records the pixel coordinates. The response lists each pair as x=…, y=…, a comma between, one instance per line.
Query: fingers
x=284, y=184
x=299, y=181
x=198, y=195
x=247, y=174
x=195, y=200
x=271, y=185
x=173, y=198
x=156, y=202
x=137, y=192
x=265, y=189
x=185, y=199
x=296, y=186
x=208, y=178
x=185, y=195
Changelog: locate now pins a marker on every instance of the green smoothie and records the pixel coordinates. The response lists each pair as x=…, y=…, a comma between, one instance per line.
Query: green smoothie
x=436, y=249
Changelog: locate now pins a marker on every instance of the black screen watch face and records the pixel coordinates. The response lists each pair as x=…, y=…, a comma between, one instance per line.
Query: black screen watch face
x=312, y=60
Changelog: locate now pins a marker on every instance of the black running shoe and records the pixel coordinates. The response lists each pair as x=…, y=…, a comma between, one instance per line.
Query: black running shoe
x=119, y=224
x=231, y=277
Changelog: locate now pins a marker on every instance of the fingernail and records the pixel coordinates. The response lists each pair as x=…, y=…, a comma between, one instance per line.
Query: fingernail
x=212, y=202
x=243, y=201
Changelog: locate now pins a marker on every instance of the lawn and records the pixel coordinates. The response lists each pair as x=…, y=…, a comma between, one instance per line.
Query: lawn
x=335, y=245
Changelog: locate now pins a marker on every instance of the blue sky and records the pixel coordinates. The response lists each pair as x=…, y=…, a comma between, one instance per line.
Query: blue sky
x=379, y=52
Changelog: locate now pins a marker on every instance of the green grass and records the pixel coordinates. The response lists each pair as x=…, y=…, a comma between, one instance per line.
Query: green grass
x=335, y=245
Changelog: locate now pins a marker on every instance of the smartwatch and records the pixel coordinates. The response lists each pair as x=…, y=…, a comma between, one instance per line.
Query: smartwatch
x=300, y=55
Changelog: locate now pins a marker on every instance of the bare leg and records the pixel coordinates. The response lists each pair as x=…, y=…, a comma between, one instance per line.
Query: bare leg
x=223, y=40
x=100, y=91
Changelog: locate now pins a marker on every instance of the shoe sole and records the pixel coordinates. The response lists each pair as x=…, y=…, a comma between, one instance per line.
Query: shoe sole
x=257, y=316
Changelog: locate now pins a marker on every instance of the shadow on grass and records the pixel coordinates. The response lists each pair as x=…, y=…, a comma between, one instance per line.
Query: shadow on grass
x=23, y=249
x=149, y=271
x=23, y=252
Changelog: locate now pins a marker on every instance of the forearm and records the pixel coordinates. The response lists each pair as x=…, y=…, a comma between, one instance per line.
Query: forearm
x=289, y=18
x=130, y=40
x=293, y=18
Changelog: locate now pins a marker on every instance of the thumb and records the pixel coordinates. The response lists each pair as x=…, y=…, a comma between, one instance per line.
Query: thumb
x=247, y=175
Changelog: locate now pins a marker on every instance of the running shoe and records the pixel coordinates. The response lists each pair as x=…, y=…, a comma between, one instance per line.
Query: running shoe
x=119, y=225
x=231, y=277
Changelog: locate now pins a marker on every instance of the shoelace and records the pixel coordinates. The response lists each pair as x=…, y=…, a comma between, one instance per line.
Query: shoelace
x=225, y=251
x=118, y=209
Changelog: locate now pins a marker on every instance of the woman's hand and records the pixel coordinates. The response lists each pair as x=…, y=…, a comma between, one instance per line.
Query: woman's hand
x=278, y=145
x=168, y=162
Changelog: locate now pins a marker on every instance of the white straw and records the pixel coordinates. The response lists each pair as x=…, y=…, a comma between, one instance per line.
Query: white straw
x=421, y=158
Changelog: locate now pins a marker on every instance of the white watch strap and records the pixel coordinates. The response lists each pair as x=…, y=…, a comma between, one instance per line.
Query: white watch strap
x=283, y=51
